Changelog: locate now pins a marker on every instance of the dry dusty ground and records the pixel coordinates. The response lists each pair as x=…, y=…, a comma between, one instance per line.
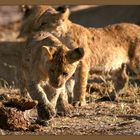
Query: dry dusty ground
x=121, y=117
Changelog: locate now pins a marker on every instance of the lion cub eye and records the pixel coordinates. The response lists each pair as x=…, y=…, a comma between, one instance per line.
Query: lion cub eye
x=65, y=74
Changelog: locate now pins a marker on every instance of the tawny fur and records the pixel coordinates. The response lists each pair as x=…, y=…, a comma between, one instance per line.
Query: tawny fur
x=46, y=66
x=105, y=48
x=31, y=15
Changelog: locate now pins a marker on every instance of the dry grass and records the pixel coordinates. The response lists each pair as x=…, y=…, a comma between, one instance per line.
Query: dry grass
x=121, y=117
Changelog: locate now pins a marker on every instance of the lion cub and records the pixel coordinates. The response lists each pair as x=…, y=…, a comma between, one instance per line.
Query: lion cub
x=46, y=66
x=109, y=48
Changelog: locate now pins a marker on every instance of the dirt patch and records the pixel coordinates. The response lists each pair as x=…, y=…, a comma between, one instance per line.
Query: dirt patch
x=121, y=117
x=14, y=114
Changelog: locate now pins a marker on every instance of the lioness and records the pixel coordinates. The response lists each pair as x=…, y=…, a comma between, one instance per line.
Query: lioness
x=108, y=48
x=46, y=66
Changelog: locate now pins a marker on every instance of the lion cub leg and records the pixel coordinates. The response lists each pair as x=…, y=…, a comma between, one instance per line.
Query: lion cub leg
x=44, y=108
x=63, y=106
x=70, y=89
x=120, y=80
x=81, y=78
x=59, y=98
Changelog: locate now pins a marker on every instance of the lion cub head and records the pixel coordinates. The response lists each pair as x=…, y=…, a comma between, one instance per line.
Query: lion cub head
x=31, y=14
x=53, y=18
x=60, y=63
x=40, y=17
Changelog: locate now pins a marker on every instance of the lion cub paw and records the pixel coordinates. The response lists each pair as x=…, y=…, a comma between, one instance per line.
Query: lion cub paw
x=46, y=112
x=65, y=110
x=42, y=122
x=79, y=103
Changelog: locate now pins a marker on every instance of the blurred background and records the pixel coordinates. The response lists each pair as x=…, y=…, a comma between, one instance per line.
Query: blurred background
x=87, y=15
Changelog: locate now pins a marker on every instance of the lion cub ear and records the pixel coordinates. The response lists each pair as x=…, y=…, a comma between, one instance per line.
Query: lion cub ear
x=64, y=12
x=48, y=51
x=75, y=55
